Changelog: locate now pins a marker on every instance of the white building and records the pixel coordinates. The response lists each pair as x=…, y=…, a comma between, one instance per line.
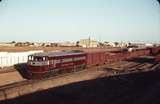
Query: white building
x=88, y=43
x=67, y=44
x=11, y=58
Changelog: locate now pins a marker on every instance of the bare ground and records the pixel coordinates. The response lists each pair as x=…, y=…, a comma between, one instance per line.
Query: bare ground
x=11, y=77
x=28, y=48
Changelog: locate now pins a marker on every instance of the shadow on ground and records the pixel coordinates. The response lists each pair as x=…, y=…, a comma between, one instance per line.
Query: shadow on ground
x=135, y=88
x=22, y=69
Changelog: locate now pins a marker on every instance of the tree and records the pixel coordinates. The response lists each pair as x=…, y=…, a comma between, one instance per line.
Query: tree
x=129, y=43
x=77, y=43
x=13, y=42
x=116, y=43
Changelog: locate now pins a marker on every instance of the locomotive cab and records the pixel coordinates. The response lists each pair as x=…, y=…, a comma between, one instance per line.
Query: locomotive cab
x=37, y=61
x=37, y=64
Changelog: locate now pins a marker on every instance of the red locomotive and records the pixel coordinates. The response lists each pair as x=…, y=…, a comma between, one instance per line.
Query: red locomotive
x=44, y=65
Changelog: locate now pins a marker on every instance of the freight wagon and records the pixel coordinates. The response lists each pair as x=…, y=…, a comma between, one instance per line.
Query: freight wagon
x=157, y=58
x=95, y=58
x=154, y=50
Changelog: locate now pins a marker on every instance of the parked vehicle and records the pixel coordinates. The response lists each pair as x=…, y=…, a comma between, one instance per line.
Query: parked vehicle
x=157, y=58
x=154, y=50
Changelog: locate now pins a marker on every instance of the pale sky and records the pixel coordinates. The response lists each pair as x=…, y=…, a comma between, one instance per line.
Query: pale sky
x=71, y=20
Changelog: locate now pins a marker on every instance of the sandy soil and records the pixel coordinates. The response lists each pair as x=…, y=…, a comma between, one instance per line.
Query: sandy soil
x=11, y=77
x=25, y=48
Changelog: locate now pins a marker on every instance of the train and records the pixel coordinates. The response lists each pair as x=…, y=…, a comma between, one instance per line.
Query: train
x=157, y=58
x=47, y=64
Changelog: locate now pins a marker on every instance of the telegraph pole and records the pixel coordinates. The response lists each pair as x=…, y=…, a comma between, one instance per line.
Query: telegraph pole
x=89, y=41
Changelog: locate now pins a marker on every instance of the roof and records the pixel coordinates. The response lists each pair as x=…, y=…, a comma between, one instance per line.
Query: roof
x=55, y=54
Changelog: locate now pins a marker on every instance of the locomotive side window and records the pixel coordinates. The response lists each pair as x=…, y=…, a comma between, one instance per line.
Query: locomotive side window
x=79, y=58
x=67, y=60
x=55, y=62
x=30, y=57
x=51, y=62
x=44, y=58
x=38, y=59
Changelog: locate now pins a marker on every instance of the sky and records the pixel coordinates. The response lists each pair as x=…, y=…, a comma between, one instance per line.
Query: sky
x=71, y=20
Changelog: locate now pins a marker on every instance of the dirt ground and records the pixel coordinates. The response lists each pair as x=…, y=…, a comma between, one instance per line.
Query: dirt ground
x=11, y=77
x=105, y=86
x=27, y=48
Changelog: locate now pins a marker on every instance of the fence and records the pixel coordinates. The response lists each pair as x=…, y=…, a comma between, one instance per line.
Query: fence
x=12, y=58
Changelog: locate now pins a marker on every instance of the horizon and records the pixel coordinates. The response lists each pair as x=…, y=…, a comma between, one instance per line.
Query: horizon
x=137, y=42
x=61, y=21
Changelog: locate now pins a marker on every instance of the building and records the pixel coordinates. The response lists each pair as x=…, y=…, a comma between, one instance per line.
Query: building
x=67, y=44
x=12, y=58
x=88, y=43
x=110, y=44
x=7, y=44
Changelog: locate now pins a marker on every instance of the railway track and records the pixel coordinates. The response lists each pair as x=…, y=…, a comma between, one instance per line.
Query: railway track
x=25, y=82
